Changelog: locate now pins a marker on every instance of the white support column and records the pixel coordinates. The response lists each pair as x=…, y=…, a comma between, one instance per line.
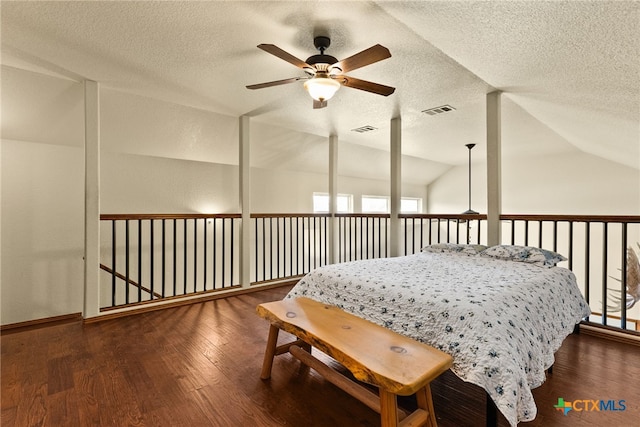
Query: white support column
x=396, y=185
x=333, y=198
x=494, y=166
x=91, y=199
x=245, y=201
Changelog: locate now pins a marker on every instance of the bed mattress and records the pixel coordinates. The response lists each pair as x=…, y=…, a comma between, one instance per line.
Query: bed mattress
x=502, y=321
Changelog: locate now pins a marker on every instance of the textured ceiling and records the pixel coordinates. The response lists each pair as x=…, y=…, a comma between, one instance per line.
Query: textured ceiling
x=570, y=70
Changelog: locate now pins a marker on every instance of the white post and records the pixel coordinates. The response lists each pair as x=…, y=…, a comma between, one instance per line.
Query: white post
x=494, y=166
x=333, y=198
x=396, y=185
x=245, y=202
x=91, y=199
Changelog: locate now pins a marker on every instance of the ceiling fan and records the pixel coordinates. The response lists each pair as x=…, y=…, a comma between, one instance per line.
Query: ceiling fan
x=325, y=73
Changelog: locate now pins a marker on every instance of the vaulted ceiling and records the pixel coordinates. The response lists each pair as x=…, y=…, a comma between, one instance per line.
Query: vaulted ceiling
x=569, y=70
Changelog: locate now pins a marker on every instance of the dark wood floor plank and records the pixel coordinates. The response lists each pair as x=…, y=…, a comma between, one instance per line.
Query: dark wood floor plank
x=60, y=374
x=199, y=365
x=11, y=385
x=62, y=409
x=32, y=408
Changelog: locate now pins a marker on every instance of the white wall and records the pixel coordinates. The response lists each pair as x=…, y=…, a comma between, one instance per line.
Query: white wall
x=572, y=183
x=135, y=124
x=42, y=196
x=42, y=230
x=569, y=183
x=133, y=183
x=280, y=191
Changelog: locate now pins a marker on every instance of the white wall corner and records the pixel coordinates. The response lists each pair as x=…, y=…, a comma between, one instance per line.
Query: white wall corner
x=396, y=185
x=494, y=168
x=92, y=200
x=244, y=136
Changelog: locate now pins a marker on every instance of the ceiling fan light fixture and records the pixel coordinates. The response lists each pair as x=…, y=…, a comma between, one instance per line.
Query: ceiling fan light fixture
x=324, y=73
x=321, y=88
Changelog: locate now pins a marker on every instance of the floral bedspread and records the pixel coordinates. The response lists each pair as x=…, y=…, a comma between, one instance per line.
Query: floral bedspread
x=502, y=321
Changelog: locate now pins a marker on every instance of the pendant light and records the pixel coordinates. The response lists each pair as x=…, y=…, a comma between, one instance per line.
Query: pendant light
x=470, y=211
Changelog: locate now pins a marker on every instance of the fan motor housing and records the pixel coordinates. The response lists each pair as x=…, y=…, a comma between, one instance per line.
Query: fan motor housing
x=321, y=59
x=321, y=43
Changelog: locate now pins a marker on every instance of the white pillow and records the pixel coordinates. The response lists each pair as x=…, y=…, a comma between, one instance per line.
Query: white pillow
x=537, y=256
x=454, y=247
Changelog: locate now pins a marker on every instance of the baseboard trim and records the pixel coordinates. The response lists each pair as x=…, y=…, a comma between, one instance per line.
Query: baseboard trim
x=40, y=323
x=77, y=317
x=140, y=309
x=600, y=331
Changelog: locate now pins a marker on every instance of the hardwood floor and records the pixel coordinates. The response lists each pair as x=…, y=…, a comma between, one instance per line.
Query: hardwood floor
x=199, y=365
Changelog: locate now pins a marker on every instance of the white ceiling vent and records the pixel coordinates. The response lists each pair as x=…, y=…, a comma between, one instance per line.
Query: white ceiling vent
x=439, y=110
x=364, y=129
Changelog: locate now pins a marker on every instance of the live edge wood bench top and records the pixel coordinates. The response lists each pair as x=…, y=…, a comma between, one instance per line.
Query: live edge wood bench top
x=373, y=354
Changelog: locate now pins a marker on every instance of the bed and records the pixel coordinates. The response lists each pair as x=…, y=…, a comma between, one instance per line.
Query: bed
x=502, y=314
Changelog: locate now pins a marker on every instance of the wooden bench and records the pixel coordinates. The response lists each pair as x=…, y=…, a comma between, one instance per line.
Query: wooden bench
x=397, y=365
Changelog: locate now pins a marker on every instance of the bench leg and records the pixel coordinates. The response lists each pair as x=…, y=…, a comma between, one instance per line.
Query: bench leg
x=388, y=409
x=425, y=402
x=270, y=352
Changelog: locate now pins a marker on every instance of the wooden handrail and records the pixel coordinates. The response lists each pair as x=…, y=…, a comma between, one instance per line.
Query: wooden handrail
x=290, y=215
x=516, y=217
x=362, y=215
x=445, y=216
x=575, y=218
x=120, y=217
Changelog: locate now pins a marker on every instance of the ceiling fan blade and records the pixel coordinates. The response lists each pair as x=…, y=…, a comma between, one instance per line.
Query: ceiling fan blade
x=276, y=51
x=368, y=56
x=376, y=88
x=319, y=104
x=275, y=83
